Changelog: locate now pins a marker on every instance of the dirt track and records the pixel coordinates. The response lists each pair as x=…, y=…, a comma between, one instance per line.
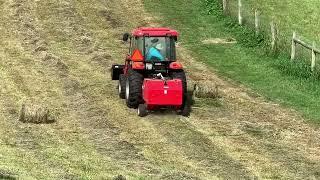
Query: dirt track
x=60, y=57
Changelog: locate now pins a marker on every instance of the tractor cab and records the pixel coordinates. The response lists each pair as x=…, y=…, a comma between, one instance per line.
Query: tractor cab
x=152, y=49
x=152, y=44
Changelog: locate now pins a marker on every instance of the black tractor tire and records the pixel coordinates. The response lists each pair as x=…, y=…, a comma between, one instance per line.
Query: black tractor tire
x=186, y=106
x=133, y=93
x=181, y=75
x=122, y=86
x=142, y=110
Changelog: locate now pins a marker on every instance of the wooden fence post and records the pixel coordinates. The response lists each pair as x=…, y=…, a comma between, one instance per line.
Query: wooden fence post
x=224, y=3
x=293, y=46
x=313, y=59
x=257, y=21
x=273, y=35
x=240, y=12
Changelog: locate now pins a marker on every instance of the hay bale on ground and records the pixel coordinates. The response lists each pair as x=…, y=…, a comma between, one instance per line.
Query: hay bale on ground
x=206, y=90
x=35, y=114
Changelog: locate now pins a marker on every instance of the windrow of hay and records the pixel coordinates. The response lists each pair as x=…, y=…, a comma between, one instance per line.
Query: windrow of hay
x=35, y=114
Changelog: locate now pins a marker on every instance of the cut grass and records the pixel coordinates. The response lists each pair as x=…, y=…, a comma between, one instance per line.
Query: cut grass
x=61, y=58
x=247, y=62
x=95, y=135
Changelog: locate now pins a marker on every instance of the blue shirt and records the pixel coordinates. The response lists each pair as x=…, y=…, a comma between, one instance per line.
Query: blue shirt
x=154, y=53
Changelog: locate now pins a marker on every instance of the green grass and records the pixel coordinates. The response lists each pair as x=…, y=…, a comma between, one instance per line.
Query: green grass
x=247, y=62
x=301, y=15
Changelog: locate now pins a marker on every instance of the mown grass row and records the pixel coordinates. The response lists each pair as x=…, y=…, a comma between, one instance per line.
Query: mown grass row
x=249, y=61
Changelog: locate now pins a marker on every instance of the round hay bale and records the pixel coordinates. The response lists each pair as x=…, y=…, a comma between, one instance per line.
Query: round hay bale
x=35, y=114
x=206, y=90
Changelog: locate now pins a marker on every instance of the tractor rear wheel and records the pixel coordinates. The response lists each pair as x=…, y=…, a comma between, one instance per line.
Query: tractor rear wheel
x=185, y=109
x=134, y=89
x=122, y=86
x=181, y=75
x=142, y=110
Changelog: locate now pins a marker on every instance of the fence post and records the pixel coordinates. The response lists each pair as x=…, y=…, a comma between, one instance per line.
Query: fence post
x=273, y=35
x=224, y=3
x=293, y=46
x=257, y=21
x=313, y=59
x=240, y=12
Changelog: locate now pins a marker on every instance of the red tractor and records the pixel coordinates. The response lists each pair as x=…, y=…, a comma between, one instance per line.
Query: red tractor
x=151, y=78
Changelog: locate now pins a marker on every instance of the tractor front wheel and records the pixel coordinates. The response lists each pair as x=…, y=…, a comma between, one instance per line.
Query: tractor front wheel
x=134, y=89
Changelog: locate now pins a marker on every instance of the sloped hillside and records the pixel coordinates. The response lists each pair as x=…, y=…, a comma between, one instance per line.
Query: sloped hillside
x=57, y=54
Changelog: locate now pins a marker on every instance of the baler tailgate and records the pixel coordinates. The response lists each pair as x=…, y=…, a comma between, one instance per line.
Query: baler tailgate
x=163, y=93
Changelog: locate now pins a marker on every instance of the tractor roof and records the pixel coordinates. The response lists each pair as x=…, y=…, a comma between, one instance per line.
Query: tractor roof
x=149, y=31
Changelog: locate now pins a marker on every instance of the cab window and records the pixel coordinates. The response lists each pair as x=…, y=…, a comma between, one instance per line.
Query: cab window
x=160, y=49
x=137, y=43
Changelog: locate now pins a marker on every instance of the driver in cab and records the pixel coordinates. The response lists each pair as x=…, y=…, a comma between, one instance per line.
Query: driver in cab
x=154, y=52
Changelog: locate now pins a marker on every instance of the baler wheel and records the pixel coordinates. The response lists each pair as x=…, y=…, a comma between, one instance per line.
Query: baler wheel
x=134, y=89
x=122, y=86
x=142, y=110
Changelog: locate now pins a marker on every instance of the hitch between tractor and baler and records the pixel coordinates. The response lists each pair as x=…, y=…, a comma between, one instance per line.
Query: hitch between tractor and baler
x=116, y=70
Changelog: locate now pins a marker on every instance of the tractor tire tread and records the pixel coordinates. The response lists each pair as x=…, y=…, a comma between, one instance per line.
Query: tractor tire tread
x=135, y=80
x=122, y=83
x=181, y=75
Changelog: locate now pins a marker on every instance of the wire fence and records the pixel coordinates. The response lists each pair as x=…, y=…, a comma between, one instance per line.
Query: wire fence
x=280, y=39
